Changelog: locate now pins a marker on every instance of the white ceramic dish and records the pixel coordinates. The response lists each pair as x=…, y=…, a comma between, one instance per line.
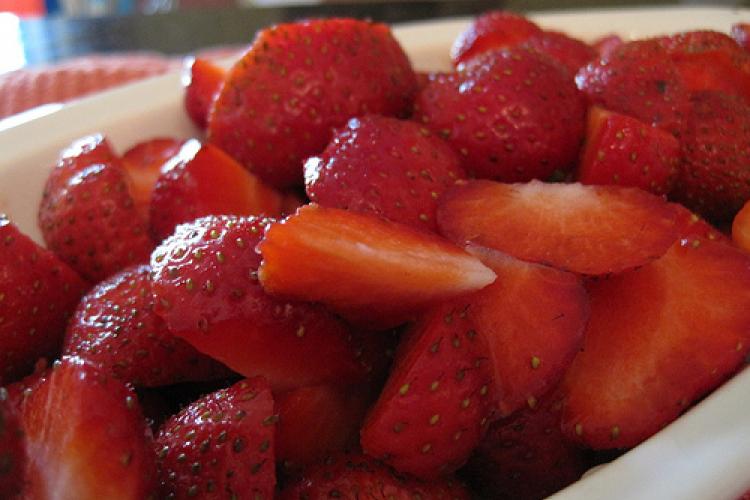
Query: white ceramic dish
x=704, y=455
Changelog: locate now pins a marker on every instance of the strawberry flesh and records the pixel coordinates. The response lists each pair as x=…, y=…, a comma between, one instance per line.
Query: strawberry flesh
x=492, y=30
x=202, y=80
x=144, y=163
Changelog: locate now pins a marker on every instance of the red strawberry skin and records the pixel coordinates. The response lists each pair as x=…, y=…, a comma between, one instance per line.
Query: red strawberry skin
x=86, y=437
x=492, y=30
x=623, y=150
x=511, y=115
x=436, y=404
x=568, y=51
x=202, y=80
x=87, y=214
x=206, y=288
x=352, y=477
x=384, y=166
x=658, y=339
x=115, y=327
x=221, y=445
x=296, y=82
x=12, y=449
x=37, y=296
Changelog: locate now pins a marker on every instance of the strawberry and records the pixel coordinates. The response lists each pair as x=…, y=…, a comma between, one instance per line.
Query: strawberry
x=205, y=287
x=373, y=271
x=221, y=446
x=143, y=163
x=87, y=214
x=492, y=30
x=715, y=177
x=437, y=402
x=655, y=344
x=566, y=50
x=202, y=80
x=622, y=150
x=12, y=449
x=86, y=437
x=37, y=295
x=584, y=229
x=691, y=226
x=297, y=81
x=115, y=328
x=741, y=228
x=203, y=180
x=740, y=33
x=317, y=421
x=526, y=456
x=532, y=318
x=512, y=115
x=386, y=167
x=352, y=477
x=607, y=44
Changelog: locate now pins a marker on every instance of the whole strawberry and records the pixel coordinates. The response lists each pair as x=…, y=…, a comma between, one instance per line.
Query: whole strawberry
x=392, y=168
x=298, y=81
x=512, y=115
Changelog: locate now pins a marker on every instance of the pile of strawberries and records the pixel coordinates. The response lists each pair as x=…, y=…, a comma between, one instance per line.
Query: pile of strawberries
x=486, y=287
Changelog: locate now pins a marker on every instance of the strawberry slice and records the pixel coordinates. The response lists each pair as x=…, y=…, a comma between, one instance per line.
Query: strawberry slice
x=492, y=30
x=526, y=455
x=143, y=352
x=437, y=402
x=12, y=449
x=741, y=228
x=656, y=343
x=359, y=476
x=625, y=151
x=203, y=180
x=37, y=296
x=371, y=270
x=692, y=226
x=532, y=318
x=202, y=80
x=143, y=163
x=206, y=288
x=87, y=214
x=86, y=437
x=584, y=229
x=221, y=446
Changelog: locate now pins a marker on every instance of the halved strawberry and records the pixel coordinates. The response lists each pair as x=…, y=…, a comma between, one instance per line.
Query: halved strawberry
x=38, y=294
x=143, y=163
x=206, y=288
x=352, y=477
x=297, y=81
x=115, y=328
x=371, y=270
x=87, y=214
x=384, y=166
x=12, y=449
x=202, y=80
x=658, y=339
x=492, y=30
x=584, y=229
x=532, y=319
x=437, y=402
x=221, y=446
x=622, y=150
x=203, y=180
x=86, y=437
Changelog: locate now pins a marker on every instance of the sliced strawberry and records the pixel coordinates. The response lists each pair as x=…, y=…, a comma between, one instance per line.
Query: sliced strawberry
x=143, y=163
x=741, y=228
x=86, y=437
x=371, y=270
x=387, y=167
x=584, y=229
x=203, y=180
x=202, y=80
x=298, y=81
x=623, y=150
x=37, y=296
x=526, y=456
x=221, y=446
x=142, y=351
x=532, y=319
x=740, y=33
x=205, y=286
x=316, y=421
x=12, y=449
x=437, y=402
x=659, y=338
x=87, y=214
x=492, y=30
x=511, y=115
x=566, y=50
x=692, y=226
x=352, y=477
